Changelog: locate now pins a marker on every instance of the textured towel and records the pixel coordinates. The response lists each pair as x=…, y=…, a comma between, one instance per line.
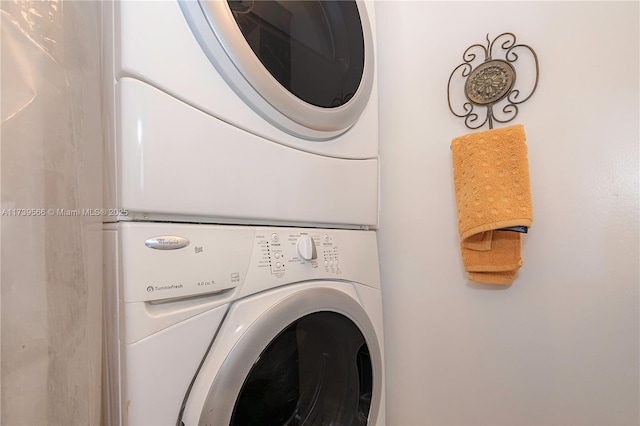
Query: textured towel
x=491, y=179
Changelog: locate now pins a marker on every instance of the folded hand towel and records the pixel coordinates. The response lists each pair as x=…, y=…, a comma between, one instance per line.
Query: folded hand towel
x=491, y=179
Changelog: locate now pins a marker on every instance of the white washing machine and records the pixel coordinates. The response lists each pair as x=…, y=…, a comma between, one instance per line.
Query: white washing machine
x=224, y=325
x=242, y=111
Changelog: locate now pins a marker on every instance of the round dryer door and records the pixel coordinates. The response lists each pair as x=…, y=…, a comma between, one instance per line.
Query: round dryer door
x=306, y=66
x=311, y=359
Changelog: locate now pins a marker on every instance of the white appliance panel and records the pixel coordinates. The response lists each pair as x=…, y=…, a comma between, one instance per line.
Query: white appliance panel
x=160, y=342
x=154, y=43
x=176, y=161
x=159, y=369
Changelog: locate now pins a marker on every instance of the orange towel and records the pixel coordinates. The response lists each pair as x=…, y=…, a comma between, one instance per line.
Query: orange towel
x=491, y=179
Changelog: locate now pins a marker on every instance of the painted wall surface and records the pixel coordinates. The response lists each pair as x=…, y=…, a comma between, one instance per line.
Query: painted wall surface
x=560, y=345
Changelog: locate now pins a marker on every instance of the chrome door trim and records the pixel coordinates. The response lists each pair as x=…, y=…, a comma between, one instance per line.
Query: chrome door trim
x=215, y=28
x=226, y=386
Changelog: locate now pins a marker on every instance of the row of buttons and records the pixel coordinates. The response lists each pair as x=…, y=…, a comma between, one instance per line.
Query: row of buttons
x=276, y=238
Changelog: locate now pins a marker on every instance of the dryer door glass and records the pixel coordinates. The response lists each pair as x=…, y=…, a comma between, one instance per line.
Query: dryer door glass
x=305, y=66
x=317, y=371
x=315, y=49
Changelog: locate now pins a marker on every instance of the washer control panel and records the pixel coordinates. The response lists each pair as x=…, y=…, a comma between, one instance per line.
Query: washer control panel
x=174, y=261
x=295, y=251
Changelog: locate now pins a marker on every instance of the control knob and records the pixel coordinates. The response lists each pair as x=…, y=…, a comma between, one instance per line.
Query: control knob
x=307, y=248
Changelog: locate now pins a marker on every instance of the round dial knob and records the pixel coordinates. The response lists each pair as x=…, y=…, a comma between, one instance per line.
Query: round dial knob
x=307, y=248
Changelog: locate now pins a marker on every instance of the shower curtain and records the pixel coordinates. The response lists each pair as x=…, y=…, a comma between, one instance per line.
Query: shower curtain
x=51, y=249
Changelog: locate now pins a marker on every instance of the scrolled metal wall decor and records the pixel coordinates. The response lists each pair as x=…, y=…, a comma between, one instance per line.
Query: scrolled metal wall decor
x=491, y=82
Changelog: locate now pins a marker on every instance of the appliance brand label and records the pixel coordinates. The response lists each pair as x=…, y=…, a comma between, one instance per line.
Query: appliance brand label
x=166, y=242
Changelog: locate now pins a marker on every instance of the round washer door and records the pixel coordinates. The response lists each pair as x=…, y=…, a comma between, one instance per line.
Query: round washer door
x=306, y=66
x=312, y=358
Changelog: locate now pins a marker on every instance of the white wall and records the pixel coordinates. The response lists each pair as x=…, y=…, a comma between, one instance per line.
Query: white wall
x=560, y=345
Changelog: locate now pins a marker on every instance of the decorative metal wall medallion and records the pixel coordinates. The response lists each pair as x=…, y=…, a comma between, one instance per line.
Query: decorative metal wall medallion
x=491, y=81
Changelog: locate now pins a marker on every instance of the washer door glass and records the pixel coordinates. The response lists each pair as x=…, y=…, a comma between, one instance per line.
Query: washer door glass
x=317, y=371
x=305, y=66
x=311, y=358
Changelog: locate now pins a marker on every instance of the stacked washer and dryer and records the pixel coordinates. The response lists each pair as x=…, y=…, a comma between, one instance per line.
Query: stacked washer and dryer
x=242, y=283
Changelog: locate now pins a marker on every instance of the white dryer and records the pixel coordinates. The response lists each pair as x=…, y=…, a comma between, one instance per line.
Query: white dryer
x=243, y=111
x=216, y=325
